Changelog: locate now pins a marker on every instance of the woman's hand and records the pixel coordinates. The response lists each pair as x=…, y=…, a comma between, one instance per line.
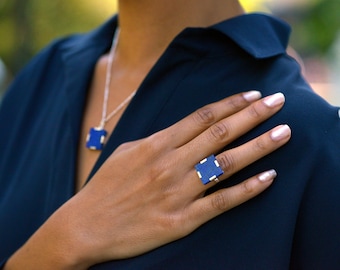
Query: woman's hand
x=148, y=193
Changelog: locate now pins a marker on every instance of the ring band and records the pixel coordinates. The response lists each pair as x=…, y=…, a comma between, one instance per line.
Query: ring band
x=208, y=170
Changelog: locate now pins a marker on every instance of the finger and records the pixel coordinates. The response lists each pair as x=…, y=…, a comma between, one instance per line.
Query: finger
x=223, y=200
x=192, y=125
x=233, y=160
x=228, y=129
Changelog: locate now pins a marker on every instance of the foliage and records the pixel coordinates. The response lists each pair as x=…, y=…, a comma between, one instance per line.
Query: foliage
x=316, y=28
x=27, y=26
x=254, y=5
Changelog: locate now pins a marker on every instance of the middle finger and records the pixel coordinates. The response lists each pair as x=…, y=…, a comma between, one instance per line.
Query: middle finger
x=225, y=131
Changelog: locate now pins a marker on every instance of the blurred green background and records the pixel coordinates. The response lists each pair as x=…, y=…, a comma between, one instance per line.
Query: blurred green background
x=27, y=26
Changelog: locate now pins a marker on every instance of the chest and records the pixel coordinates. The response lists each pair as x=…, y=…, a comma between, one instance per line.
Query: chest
x=104, y=107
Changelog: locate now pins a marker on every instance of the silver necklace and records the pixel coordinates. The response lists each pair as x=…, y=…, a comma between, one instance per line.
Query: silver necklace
x=96, y=137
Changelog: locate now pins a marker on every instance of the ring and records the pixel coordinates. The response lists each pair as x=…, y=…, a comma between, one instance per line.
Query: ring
x=208, y=170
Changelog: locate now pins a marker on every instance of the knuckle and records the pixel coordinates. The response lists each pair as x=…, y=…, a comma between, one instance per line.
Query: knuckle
x=171, y=222
x=125, y=146
x=236, y=103
x=220, y=202
x=227, y=162
x=158, y=171
x=247, y=188
x=260, y=144
x=254, y=112
x=152, y=144
x=204, y=116
x=219, y=131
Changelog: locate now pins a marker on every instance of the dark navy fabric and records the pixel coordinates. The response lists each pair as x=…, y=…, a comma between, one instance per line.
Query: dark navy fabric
x=295, y=224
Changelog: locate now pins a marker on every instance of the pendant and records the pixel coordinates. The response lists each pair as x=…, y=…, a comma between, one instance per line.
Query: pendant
x=95, y=138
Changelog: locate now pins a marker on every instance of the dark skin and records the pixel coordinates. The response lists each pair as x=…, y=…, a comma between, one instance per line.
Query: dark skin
x=171, y=200
x=162, y=182
x=142, y=23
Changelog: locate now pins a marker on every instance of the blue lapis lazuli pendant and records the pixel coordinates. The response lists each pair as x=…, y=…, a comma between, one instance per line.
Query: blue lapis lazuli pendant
x=208, y=170
x=95, y=138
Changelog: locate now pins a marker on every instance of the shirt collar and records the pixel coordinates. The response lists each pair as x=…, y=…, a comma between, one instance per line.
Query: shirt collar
x=96, y=42
x=260, y=35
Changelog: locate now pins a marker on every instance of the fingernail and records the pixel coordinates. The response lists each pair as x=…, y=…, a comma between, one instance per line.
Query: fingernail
x=252, y=96
x=267, y=176
x=280, y=133
x=274, y=100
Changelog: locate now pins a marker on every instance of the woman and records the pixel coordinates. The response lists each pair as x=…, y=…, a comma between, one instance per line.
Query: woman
x=144, y=194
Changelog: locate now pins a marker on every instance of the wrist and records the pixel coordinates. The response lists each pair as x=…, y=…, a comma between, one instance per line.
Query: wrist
x=49, y=248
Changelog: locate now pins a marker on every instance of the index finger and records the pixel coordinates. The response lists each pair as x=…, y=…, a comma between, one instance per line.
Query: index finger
x=192, y=125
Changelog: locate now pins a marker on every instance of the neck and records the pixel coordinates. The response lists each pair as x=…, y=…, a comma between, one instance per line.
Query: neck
x=148, y=26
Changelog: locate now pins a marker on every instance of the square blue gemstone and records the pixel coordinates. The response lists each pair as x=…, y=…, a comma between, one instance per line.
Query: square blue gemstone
x=208, y=169
x=95, y=139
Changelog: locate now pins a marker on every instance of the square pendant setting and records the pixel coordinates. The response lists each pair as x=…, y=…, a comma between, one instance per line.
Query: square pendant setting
x=95, y=138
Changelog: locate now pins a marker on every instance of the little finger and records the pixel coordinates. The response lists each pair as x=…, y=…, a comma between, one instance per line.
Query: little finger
x=206, y=208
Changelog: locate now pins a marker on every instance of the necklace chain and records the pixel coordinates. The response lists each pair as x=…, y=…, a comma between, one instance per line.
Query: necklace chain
x=96, y=136
x=105, y=117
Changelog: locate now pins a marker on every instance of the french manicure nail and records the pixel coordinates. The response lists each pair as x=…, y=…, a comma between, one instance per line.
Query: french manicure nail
x=252, y=95
x=280, y=133
x=267, y=176
x=274, y=100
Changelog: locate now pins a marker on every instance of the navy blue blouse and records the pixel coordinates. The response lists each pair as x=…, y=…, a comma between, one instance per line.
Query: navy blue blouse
x=295, y=224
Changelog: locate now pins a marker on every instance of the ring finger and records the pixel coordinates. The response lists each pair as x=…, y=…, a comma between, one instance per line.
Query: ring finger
x=233, y=160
